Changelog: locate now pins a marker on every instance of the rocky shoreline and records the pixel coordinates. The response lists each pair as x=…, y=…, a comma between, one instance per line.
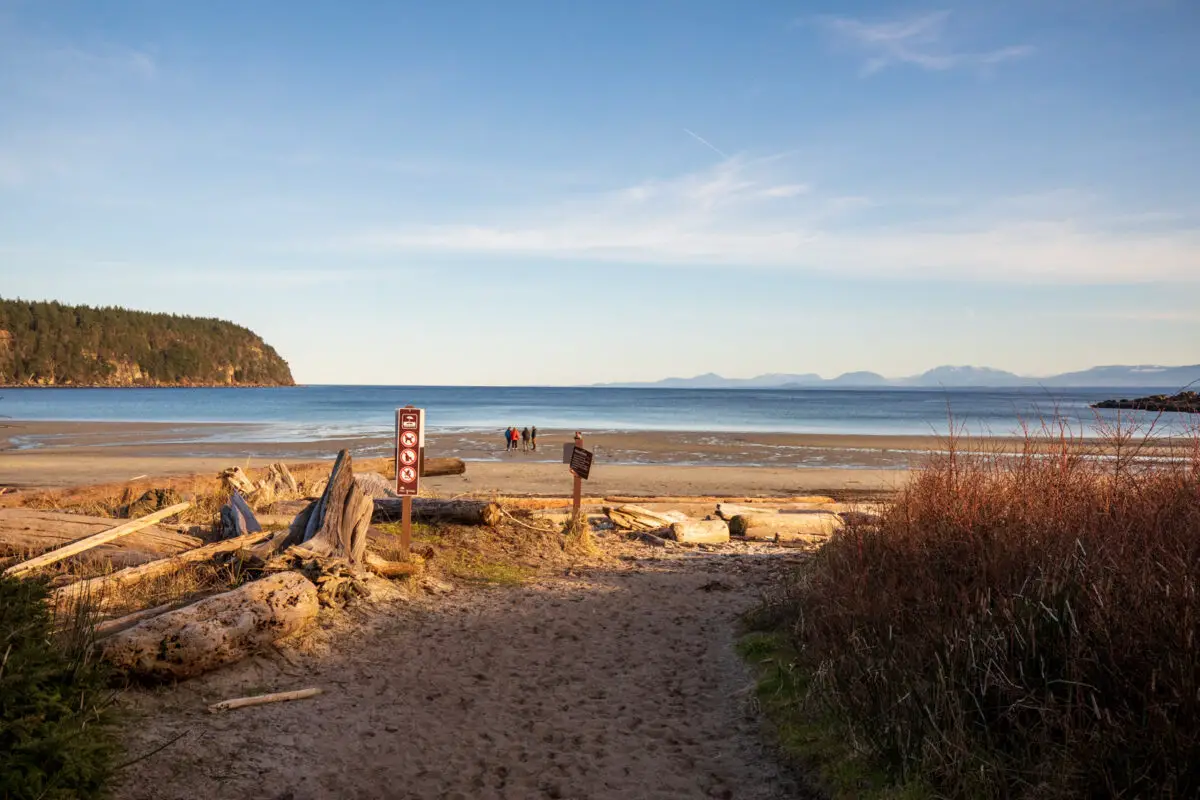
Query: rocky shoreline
x=1183, y=403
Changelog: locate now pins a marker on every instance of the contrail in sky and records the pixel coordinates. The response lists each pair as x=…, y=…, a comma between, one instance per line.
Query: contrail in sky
x=706, y=143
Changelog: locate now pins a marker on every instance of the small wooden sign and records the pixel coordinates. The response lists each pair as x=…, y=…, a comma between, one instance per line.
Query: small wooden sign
x=410, y=445
x=581, y=462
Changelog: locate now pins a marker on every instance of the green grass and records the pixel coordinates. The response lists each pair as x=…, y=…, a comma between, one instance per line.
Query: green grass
x=421, y=532
x=473, y=568
x=809, y=737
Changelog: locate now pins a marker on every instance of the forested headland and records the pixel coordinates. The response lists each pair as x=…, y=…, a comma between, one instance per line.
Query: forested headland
x=52, y=344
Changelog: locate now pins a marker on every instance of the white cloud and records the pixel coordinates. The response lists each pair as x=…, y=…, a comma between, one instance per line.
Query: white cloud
x=918, y=40
x=739, y=214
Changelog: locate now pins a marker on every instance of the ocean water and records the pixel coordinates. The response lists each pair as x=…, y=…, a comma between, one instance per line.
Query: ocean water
x=314, y=413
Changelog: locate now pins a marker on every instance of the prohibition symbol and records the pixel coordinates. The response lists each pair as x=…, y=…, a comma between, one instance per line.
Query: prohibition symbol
x=407, y=474
x=408, y=457
x=408, y=439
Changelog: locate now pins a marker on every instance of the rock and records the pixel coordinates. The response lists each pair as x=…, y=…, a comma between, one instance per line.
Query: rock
x=1182, y=403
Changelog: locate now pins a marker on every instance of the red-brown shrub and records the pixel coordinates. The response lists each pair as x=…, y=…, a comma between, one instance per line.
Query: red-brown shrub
x=1022, y=622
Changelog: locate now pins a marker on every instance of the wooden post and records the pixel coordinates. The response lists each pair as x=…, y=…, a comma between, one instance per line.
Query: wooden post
x=405, y=525
x=577, y=493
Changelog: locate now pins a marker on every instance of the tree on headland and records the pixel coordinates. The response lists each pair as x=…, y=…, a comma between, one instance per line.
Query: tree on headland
x=49, y=343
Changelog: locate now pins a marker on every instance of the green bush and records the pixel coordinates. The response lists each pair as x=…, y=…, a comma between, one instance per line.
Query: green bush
x=56, y=739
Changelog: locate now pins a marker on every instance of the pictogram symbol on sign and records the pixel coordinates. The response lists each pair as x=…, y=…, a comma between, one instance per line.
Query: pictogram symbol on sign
x=410, y=444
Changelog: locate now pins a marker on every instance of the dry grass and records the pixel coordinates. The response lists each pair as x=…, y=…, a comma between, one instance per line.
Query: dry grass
x=1020, y=624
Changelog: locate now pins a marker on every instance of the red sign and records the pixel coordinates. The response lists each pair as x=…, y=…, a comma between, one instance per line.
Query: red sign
x=410, y=444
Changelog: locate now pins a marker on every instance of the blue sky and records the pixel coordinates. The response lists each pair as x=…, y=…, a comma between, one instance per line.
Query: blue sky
x=570, y=192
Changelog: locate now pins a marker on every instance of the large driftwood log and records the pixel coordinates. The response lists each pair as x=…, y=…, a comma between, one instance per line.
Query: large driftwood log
x=811, y=526
x=102, y=591
x=428, y=509
x=95, y=540
x=704, y=531
x=110, y=626
x=215, y=631
x=25, y=530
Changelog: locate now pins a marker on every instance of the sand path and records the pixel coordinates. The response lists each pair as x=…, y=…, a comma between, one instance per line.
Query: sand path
x=619, y=683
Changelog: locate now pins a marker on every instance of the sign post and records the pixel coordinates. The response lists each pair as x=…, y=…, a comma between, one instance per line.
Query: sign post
x=410, y=453
x=581, y=466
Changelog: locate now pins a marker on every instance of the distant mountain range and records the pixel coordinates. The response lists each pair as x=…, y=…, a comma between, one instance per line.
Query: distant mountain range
x=1112, y=376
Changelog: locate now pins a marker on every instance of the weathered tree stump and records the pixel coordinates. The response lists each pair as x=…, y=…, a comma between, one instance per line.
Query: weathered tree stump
x=215, y=631
x=335, y=526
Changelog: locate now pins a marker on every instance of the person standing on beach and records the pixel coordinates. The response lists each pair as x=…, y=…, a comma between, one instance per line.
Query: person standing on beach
x=525, y=440
x=533, y=438
x=513, y=435
x=508, y=439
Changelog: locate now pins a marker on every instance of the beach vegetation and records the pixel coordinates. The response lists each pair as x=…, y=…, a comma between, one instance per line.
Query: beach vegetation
x=1019, y=623
x=56, y=727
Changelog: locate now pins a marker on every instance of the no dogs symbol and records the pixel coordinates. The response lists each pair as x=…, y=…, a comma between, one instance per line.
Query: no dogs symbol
x=408, y=475
x=408, y=457
x=408, y=439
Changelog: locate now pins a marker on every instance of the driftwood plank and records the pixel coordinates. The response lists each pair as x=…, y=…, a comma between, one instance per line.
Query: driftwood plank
x=100, y=591
x=96, y=540
x=263, y=699
x=26, y=531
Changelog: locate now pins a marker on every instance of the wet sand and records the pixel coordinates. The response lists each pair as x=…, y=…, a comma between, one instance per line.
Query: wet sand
x=55, y=454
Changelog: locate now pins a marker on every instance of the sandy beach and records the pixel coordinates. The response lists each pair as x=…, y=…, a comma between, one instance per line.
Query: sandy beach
x=614, y=682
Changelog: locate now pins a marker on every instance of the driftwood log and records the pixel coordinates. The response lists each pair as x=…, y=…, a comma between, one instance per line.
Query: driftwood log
x=811, y=526
x=103, y=590
x=704, y=531
x=237, y=518
x=25, y=530
x=636, y=518
x=428, y=509
x=215, y=631
x=95, y=540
